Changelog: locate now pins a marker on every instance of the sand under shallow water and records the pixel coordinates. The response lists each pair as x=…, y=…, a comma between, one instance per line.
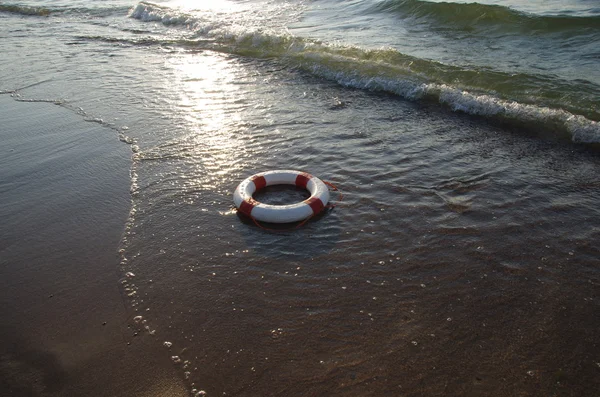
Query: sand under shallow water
x=463, y=259
x=64, y=198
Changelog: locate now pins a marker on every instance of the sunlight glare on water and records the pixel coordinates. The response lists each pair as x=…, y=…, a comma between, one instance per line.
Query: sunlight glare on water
x=208, y=5
x=211, y=105
x=204, y=85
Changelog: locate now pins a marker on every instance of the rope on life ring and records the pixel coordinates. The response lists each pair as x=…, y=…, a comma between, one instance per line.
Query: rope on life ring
x=302, y=211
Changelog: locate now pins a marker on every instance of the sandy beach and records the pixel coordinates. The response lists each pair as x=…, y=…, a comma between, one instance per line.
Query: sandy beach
x=64, y=199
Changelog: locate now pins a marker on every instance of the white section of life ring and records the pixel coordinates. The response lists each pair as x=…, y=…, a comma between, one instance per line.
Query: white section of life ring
x=319, y=196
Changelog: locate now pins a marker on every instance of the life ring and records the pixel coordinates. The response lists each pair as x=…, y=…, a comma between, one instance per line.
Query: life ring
x=247, y=205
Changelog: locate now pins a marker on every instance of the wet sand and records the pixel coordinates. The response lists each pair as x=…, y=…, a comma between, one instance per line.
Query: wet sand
x=64, y=200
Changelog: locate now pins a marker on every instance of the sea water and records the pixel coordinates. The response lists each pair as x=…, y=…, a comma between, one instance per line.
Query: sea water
x=462, y=256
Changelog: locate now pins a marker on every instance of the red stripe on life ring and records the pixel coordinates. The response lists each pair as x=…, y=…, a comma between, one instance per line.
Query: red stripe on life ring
x=302, y=179
x=259, y=181
x=315, y=204
x=247, y=206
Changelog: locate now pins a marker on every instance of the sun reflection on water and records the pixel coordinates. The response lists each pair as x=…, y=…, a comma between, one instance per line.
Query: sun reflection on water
x=211, y=103
x=207, y=5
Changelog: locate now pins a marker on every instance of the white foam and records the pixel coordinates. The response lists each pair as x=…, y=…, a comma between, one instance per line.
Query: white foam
x=153, y=13
x=176, y=359
x=583, y=130
x=579, y=128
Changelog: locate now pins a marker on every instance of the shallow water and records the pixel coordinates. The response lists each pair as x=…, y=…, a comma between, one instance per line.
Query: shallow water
x=448, y=267
x=462, y=258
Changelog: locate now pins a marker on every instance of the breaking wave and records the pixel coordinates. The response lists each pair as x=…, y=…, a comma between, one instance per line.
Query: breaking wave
x=553, y=106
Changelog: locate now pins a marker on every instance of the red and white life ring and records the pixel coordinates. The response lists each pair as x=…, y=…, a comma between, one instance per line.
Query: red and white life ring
x=245, y=203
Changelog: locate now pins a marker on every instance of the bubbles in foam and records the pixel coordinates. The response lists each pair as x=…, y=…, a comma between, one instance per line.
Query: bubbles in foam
x=154, y=13
x=583, y=130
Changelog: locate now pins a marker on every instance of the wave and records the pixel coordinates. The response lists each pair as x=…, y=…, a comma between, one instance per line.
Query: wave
x=468, y=16
x=25, y=10
x=31, y=11
x=552, y=105
x=149, y=12
x=414, y=84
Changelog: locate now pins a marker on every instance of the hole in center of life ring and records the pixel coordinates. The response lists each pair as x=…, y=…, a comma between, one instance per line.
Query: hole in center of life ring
x=281, y=195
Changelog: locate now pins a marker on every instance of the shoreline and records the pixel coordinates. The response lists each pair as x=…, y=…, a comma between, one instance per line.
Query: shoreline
x=64, y=201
